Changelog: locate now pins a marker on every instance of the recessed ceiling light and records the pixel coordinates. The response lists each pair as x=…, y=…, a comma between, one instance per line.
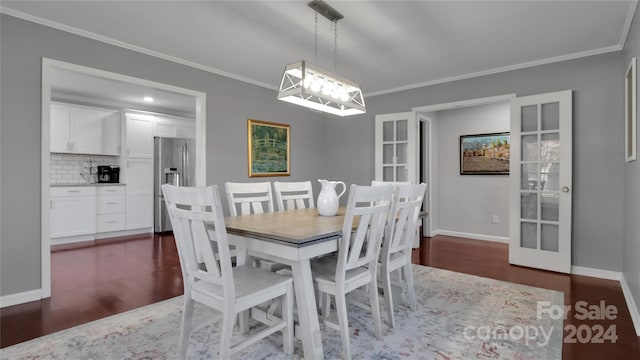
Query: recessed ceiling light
x=148, y=99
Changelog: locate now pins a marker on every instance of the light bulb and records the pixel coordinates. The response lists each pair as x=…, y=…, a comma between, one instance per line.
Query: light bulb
x=344, y=96
x=315, y=86
x=327, y=89
x=336, y=93
x=307, y=82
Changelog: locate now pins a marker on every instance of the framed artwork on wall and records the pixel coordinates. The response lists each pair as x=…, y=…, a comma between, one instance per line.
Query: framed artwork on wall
x=485, y=154
x=268, y=148
x=630, y=113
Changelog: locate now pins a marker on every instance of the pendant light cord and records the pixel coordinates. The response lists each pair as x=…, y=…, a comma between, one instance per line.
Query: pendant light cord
x=335, y=45
x=315, y=51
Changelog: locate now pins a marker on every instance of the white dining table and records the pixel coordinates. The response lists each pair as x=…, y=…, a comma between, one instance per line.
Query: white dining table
x=293, y=238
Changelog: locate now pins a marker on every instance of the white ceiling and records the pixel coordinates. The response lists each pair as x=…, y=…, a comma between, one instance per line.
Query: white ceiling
x=383, y=45
x=76, y=86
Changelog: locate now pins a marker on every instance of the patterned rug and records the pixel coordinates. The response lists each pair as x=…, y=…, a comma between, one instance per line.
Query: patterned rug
x=458, y=316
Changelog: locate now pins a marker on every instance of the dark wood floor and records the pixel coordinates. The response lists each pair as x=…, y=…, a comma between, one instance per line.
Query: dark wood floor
x=96, y=281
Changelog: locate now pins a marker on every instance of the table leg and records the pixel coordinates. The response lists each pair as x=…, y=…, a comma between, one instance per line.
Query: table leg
x=307, y=312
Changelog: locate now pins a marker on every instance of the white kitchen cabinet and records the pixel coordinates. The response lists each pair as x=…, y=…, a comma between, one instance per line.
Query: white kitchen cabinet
x=139, y=136
x=138, y=175
x=60, y=128
x=110, y=208
x=111, y=136
x=84, y=130
x=174, y=126
x=73, y=211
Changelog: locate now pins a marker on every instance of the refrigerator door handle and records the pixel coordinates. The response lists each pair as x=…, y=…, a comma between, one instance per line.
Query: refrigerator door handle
x=185, y=164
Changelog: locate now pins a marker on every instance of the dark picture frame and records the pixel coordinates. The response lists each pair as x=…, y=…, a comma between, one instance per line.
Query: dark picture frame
x=268, y=148
x=485, y=154
x=630, y=112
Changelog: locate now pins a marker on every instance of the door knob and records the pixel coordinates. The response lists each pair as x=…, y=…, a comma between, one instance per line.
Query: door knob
x=565, y=189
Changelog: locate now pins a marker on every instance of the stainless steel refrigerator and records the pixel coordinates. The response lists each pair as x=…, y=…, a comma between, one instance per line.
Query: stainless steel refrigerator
x=174, y=163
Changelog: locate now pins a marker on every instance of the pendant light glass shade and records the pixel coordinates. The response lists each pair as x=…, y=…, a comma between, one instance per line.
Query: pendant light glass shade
x=313, y=87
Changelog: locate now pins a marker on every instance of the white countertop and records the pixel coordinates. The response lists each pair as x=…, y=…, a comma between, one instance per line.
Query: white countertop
x=88, y=184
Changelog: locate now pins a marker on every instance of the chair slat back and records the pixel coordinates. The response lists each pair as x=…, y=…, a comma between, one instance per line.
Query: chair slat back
x=368, y=206
x=403, y=222
x=200, y=235
x=249, y=198
x=292, y=195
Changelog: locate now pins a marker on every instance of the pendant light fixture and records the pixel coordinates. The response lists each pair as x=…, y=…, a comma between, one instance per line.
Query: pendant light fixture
x=311, y=86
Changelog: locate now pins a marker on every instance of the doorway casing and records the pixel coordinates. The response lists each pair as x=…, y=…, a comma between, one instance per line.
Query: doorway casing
x=47, y=68
x=421, y=113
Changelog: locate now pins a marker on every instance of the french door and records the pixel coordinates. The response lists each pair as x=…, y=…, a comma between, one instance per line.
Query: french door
x=396, y=147
x=540, y=170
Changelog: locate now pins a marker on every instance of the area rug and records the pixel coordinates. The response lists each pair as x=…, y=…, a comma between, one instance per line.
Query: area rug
x=458, y=316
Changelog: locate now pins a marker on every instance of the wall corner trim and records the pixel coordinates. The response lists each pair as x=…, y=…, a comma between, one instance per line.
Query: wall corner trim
x=20, y=298
x=631, y=304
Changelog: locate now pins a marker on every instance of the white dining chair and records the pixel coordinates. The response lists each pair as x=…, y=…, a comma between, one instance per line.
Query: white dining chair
x=252, y=198
x=357, y=259
x=402, y=225
x=293, y=195
x=209, y=278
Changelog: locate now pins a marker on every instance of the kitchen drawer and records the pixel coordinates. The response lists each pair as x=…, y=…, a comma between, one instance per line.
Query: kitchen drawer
x=73, y=191
x=110, y=204
x=110, y=190
x=110, y=222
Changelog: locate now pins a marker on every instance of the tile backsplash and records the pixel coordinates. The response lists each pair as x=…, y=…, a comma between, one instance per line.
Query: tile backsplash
x=75, y=169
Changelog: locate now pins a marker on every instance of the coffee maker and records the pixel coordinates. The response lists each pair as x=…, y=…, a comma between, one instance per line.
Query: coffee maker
x=108, y=174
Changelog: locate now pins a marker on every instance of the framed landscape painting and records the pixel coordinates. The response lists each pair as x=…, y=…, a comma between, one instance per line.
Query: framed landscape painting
x=268, y=148
x=485, y=154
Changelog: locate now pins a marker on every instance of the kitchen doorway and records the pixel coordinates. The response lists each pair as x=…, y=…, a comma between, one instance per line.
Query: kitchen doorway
x=49, y=69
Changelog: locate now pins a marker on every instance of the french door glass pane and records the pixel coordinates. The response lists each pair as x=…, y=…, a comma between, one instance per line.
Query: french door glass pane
x=550, y=147
x=401, y=130
x=402, y=153
x=529, y=206
x=530, y=148
x=549, y=237
x=550, y=116
x=529, y=118
x=550, y=206
x=529, y=235
x=387, y=154
x=529, y=177
x=550, y=176
x=401, y=173
x=387, y=131
x=387, y=173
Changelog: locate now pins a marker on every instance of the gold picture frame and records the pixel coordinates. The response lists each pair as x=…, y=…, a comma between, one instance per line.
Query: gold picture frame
x=630, y=113
x=268, y=148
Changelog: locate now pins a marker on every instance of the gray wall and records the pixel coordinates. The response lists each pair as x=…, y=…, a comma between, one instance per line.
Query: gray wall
x=229, y=104
x=467, y=202
x=632, y=180
x=597, y=167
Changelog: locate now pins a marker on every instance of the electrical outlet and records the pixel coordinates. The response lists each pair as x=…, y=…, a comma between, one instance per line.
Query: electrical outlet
x=495, y=219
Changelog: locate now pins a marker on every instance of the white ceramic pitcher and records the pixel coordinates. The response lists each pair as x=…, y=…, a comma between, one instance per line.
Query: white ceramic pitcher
x=328, y=198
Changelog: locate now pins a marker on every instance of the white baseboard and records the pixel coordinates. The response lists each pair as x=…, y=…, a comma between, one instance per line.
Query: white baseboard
x=596, y=273
x=631, y=304
x=501, y=239
x=20, y=298
x=123, y=233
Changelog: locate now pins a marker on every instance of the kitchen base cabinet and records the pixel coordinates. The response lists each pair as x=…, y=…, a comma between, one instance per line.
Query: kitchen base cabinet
x=73, y=211
x=110, y=208
x=90, y=212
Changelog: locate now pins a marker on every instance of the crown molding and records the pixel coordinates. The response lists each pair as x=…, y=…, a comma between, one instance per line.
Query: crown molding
x=122, y=44
x=500, y=70
x=114, y=42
